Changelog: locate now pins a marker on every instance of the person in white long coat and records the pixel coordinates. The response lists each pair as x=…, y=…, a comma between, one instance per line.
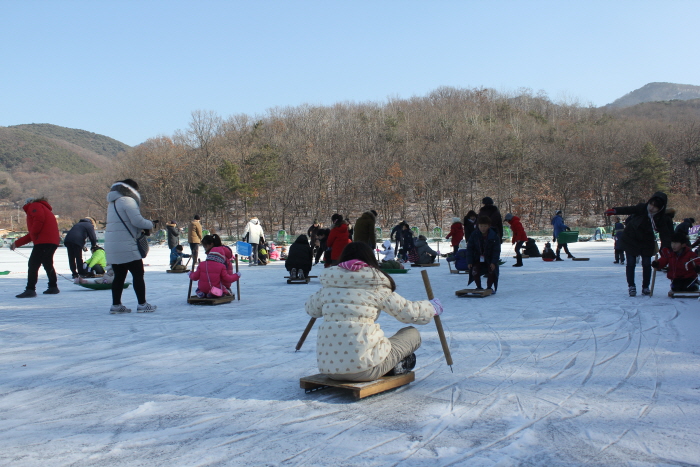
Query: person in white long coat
x=254, y=234
x=124, y=224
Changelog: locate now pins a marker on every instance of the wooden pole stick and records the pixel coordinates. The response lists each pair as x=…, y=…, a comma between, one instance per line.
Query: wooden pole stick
x=653, y=278
x=189, y=291
x=238, y=282
x=306, y=333
x=436, y=318
x=438, y=255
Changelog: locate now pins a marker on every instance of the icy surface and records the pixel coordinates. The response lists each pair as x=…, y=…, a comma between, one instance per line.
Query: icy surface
x=561, y=367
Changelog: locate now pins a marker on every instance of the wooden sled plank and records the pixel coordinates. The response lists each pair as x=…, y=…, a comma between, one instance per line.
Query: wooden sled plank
x=524, y=256
x=455, y=271
x=310, y=277
x=359, y=389
x=580, y=259
x=687, y=294
x=195, y=300
x=473, y=293
x=177, y=271
x=431, y=265
x=298, y=281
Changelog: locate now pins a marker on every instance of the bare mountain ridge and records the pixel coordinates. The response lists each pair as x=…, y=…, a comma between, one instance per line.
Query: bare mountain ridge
x=656, y=92
x=44, y=147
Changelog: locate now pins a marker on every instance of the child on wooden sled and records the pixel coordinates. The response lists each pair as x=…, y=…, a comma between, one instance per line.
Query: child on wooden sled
x=215, y=275
x=176, y=255
x=351, y=346
x=683, y=264
x=300, y=258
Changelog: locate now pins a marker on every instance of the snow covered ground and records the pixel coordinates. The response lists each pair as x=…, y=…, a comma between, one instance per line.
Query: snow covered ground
x=561, y=367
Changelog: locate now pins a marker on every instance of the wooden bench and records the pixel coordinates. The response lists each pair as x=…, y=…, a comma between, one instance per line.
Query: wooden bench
x=359, y=389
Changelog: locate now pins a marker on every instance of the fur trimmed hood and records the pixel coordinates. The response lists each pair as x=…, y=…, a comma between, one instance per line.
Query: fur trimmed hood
x=119, y=190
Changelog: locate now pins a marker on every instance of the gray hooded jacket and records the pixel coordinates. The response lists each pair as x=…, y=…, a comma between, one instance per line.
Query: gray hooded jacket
x=120, y=246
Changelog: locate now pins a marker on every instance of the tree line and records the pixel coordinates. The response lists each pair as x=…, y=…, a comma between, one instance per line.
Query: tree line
x=423, y=160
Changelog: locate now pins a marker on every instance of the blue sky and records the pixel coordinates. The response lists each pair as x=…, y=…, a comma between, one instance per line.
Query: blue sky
x=133, y=70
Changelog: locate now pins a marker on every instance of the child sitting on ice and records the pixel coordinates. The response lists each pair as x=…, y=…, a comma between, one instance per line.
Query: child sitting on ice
x=683, y=264
x=214, y=274
x=351, y=345
x=300, y=258
x=107, y=278
x=274, y=254
x=96, y=264
x=548, y=253
x=176, y=255
x=388, y=252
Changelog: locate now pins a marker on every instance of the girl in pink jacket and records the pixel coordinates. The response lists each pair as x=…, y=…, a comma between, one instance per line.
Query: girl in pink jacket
x=214, y=274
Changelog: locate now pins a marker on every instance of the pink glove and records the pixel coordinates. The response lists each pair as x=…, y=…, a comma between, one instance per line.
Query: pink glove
x=437, y=305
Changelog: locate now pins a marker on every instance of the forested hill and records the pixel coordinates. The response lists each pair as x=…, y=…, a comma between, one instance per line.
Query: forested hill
x=654, y=92
x=42, y=147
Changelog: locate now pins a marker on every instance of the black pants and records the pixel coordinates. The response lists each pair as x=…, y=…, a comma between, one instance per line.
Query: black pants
x=478, y=269
x=646, y=269
x=684, y=284
x=96, y=269
x=75, y=258
x=620, y=256
x=518, y=255
x=42, y=255
x=136, y=270
x=318, y=254
x=194, y=249
x=566, y=249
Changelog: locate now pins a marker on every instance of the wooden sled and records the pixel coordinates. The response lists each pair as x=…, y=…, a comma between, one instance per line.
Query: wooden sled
x=455, y=271
x=473, y=293
x=431, y=265
x=195, y=300
x=359, y=389
x=580, y=259
x=305, y=280
x=176, y=271
x=687, y=294
x=524, y=256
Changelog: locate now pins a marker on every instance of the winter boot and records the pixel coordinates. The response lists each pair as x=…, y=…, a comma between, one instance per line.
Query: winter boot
x=646, y=291
x=293, y=273
x=146, y=308
x=632, y=290
x=404, y=366
x=300, y=274
x=517, y=265
x=118, y=309
x=52, y=291
x=559, y=258
x=27, y=294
